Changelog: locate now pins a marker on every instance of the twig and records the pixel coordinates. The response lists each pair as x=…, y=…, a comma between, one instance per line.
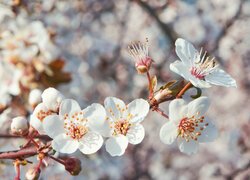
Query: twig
x=17, y=154
x=186, y=87
x=169, y=32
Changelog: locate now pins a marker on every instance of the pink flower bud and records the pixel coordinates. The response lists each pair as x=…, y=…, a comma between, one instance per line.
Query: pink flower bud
x=73, y=166
x=139, y=52
x=19, y=126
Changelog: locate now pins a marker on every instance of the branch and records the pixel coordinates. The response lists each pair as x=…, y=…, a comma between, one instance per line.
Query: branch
x=228, y=24
x=19, y=154
x=43, y=137
x=169, y=32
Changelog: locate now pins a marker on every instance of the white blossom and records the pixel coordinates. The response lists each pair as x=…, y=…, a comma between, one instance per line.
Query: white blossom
x=52, y=98
x=19, y=125
x=200, y=70
x=123, y=124
x=37, y=117
x=188, y=125
x=35, y=97
x=74, y=128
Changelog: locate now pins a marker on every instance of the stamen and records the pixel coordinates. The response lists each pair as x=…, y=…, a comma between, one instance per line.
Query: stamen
x=191, y=128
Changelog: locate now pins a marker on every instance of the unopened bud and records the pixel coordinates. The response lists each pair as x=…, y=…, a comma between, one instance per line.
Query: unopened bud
x=73, y=166
x=143, y=65
x=139, y=52
x=33, y=173
x=52, y=98
x=19, y=126
x=35, y=97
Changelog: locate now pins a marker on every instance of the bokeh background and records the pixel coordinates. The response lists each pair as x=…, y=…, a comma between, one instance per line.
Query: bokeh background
x=87, y=40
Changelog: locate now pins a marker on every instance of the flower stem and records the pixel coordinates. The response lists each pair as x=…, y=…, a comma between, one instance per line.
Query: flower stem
x=18, y=172
x=149, y=86
x=161, y=112
x=186, y=87
x=56, y=159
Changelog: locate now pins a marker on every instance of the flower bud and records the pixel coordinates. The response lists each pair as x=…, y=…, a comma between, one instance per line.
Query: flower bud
x=143, y=66
x=33, y=173
x=52, y=98
x=73, y=166
x=35, y=97
x=19, y=126
x=139, y=53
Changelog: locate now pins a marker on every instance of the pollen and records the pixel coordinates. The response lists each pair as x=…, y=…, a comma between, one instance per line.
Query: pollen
x=121, y=127
x=203, y=66
x=43, y=114
x=191, y=128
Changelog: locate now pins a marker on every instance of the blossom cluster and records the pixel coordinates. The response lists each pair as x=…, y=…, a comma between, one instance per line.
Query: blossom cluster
x=84, y=129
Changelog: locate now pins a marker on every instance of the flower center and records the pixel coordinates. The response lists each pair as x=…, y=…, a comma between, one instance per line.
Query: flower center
x=75, y=125
x=43, y=114
x=121, y=127
x=203, y=66
x=191, y=128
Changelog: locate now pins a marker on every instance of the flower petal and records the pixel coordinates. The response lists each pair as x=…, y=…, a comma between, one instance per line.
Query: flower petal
x=189, y=148
x=96, y=115
x=181, y=69
x=177, y=110
x=138, y=109
x=90, y=143
x=185, y=51
x=168, y=133
x=221, y=78
x=69, y=106
x=116, y=146
x=37, y=124
x=65, y=144
x=135, y=134
x=198, y=107
x=114, y=107
x=209, y=134
x=53, y=125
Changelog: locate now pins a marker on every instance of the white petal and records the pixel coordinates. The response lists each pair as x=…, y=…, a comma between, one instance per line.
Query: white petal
x=111, y=105
x=177, y=110
x=168, y=133
x=90, y=143
x=198, y=107
x=199, y=83
x=116, y=146
x=189, y=148
x=96, y=115
x=52, y=98
x=37, y=124
x=53, y=125
x=209, y=134
x=69, y=106
x=185, y=51
x=181, y=69
x=65, y=144
x=138, y=109
x=135, y=134
x=221, y=78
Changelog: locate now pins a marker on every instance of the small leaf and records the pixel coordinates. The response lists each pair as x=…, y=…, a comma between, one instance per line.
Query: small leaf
x=154, y=83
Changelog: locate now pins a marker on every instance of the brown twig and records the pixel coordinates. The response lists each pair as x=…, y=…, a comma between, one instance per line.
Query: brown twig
x=169, y=32
x=186, y=87
x=17, y=154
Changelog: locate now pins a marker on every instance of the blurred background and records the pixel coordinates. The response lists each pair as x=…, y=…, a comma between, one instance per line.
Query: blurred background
x=79, y=47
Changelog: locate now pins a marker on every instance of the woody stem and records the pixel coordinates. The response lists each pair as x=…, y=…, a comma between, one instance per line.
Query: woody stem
x=149, y=85
x=186, y=87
